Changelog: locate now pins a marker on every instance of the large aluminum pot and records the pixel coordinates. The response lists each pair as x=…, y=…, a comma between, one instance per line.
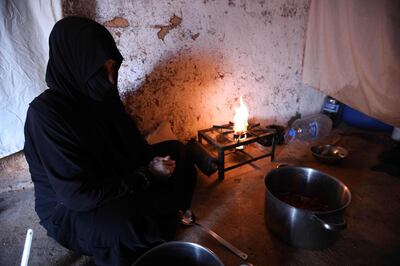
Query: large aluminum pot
x=297, y=225
x=179, y=253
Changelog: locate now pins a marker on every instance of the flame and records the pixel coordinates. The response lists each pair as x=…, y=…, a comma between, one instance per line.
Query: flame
x=240, y=118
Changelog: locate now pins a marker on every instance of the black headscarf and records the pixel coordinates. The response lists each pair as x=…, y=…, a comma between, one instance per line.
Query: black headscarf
x=81, y=145
x=88, y=160
x=78, y=49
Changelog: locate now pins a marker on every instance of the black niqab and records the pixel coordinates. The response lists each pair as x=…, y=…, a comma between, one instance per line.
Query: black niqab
x=87, y=159
x=77, y=132
x=78, y=49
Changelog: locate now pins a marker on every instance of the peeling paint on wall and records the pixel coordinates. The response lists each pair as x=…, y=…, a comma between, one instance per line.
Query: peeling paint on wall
x=195, y=36
x=79, y=8
x=117, y=22
x=174, y=22
x=212, y=53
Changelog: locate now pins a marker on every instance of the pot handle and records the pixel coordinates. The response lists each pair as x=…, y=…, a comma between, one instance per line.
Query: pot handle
x=331, y=222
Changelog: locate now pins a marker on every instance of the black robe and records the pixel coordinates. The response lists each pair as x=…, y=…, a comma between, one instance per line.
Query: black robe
x=88, y=160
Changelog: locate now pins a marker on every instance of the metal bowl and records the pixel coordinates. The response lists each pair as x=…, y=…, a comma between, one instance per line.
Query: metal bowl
x=179, y=253
x=329, y=154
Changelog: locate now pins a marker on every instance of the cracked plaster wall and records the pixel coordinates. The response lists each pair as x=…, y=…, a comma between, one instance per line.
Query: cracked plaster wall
x=192, y=71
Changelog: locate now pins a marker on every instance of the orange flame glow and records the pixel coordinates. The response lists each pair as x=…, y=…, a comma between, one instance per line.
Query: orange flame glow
x=240, y=118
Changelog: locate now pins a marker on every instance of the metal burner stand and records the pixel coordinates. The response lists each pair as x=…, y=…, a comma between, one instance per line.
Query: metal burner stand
x=228, y=142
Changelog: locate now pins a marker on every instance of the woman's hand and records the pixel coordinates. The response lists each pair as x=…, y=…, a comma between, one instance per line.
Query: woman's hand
x=162, y=166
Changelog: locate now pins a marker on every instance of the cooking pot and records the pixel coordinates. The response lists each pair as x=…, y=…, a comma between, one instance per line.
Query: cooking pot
x=179, y=253
x=304, y=207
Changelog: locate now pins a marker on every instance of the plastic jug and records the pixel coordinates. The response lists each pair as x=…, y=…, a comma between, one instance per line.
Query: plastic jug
x=309, y=128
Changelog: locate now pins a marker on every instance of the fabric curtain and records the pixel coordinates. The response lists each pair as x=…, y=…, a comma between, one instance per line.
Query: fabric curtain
x=24, y=30
x=352, y=53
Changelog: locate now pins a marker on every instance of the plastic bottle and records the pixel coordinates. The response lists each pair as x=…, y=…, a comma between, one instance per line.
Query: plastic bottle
x=309, y=128
x=396, y=134
x=333, y=109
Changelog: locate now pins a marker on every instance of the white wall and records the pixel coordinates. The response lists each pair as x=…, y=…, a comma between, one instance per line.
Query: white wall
x=244, y=48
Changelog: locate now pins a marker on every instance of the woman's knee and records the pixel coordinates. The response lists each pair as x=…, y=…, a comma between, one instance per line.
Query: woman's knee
x=175, y=145
x=174, y=148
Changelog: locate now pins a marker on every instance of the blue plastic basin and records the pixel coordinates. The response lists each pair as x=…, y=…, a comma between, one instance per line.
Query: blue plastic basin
x=358, y=119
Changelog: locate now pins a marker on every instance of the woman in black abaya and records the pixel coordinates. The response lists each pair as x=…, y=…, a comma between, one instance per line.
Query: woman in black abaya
x=100, y=189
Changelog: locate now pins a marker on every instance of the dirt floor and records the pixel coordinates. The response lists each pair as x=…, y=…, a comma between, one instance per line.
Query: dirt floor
x=234, y=208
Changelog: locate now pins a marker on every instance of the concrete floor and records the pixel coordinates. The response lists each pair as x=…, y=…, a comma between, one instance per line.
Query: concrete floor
x=234, y=208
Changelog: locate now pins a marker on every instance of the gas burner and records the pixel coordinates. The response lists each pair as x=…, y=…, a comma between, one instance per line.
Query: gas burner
x=223, y=138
